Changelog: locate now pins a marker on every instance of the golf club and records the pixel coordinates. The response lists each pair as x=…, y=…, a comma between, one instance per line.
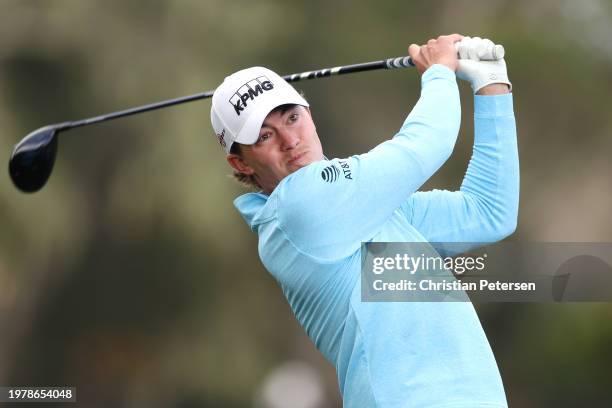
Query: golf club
x=32, y=159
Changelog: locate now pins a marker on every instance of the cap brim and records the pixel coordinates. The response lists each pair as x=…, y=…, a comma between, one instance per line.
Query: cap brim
x=249, y=134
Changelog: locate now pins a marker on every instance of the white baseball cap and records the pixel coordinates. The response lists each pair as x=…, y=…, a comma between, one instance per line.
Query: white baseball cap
x=242, y=102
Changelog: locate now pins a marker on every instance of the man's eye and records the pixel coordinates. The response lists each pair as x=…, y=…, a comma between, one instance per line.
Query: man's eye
x=293, y=117
x=263, y=137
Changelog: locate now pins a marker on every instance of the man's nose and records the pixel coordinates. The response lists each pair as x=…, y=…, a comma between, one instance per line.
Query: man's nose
x=289, y=138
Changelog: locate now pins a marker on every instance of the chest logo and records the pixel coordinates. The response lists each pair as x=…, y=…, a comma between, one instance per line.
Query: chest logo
x=346, y=169
x=330, y=174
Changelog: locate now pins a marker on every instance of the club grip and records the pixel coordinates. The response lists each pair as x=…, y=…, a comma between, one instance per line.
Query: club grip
x=399, y=62
x=492, y=52
x=485, y=52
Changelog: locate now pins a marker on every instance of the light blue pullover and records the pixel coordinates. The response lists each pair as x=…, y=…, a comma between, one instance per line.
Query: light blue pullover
x=394, y=354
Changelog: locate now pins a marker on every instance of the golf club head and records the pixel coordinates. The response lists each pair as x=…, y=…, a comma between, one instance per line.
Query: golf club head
x=32, y=159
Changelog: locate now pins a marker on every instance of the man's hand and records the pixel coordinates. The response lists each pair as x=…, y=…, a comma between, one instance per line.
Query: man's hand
x=439, y=51
x=485, y=77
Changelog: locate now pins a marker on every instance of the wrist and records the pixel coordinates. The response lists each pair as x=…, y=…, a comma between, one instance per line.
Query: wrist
x=494, y=89
x=438, y=71
x=493, y=106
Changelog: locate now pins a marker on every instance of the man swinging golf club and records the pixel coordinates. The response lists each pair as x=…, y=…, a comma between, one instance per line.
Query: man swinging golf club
x=312, y=214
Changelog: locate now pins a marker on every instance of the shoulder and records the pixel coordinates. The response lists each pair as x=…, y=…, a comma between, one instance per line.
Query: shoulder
x=312, y=198
x=315, y=182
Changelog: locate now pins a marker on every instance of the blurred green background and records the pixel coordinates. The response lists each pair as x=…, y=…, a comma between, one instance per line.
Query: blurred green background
x=132, y=277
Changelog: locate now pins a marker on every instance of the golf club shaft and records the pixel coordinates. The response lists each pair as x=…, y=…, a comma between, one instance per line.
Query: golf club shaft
x=390, y=63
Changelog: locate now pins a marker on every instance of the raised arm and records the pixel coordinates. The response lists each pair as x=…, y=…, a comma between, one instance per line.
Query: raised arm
x=485, y=208
x=332, y=206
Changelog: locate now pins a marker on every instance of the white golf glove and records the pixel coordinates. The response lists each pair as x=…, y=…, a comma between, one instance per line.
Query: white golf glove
x=480, y=73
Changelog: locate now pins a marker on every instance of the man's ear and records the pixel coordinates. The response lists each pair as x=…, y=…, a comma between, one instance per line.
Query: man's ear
x=238, y=164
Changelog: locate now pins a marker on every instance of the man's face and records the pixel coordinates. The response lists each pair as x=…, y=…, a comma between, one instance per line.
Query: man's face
x=287, y=142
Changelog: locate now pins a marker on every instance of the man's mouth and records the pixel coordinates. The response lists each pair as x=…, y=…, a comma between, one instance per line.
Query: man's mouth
x=296, y=158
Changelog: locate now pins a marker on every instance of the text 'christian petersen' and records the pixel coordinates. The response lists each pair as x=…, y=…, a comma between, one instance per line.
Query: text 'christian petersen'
x=451, y=285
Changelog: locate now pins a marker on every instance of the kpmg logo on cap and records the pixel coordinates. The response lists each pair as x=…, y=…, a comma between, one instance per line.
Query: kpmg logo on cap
x=249, y=91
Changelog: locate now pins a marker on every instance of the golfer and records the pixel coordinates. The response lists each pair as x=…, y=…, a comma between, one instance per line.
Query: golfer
x=312, y=214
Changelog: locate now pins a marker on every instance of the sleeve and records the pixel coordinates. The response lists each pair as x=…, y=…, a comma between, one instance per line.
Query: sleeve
x=485, y=208
x=327, y=209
